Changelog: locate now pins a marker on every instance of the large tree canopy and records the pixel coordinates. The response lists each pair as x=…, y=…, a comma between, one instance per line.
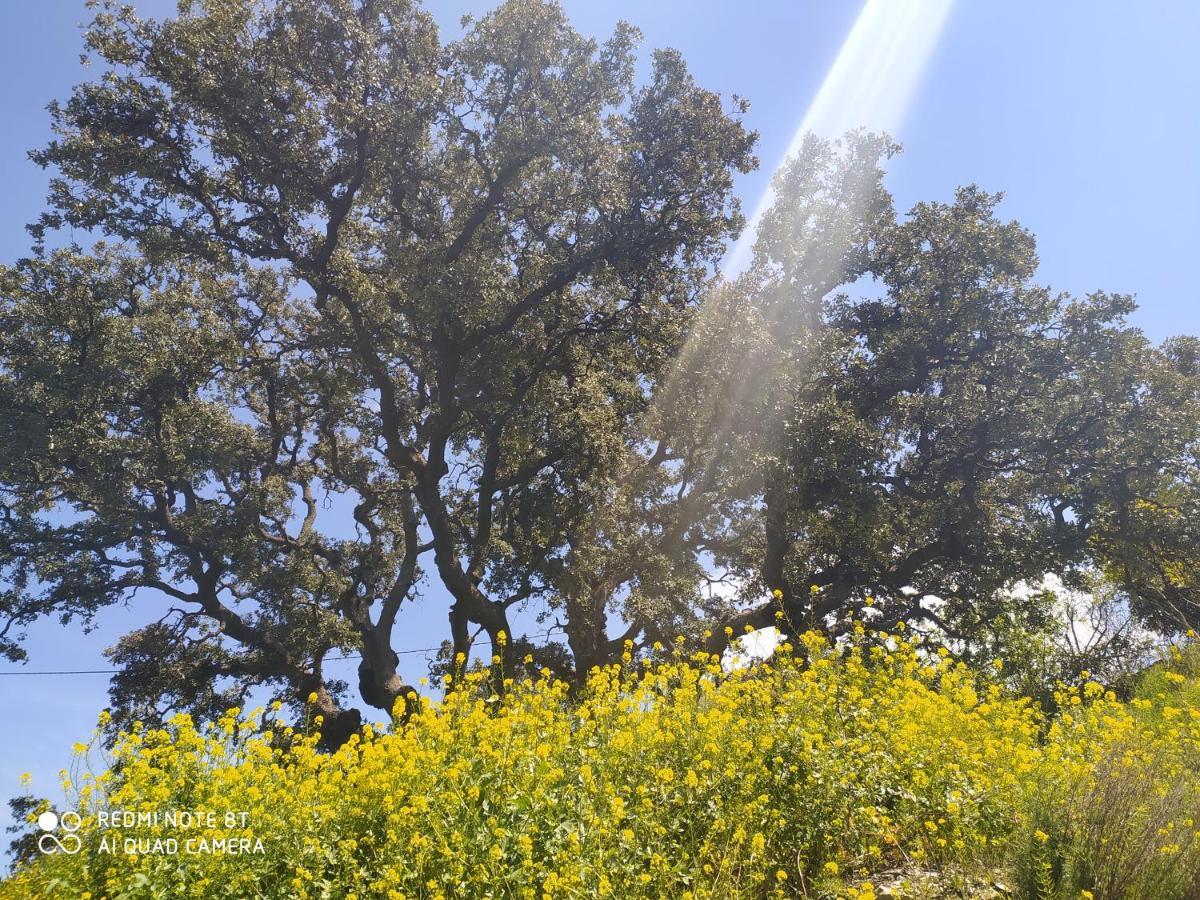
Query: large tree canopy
x=369, y=312
x=888, y=419
x=956, y=427
x=433, y=280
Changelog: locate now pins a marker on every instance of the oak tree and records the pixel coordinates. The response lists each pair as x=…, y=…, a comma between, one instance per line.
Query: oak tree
x=369, y=307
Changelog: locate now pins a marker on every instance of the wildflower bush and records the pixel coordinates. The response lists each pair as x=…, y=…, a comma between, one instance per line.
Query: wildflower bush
x=1117, y=813
x=821, y=773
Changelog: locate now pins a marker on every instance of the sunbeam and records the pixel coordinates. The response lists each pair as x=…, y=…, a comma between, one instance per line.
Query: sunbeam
x=870, y=85
x=724, y=361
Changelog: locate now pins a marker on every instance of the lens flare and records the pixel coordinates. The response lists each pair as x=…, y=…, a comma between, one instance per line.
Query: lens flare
x=701, y=402
x=870, y=85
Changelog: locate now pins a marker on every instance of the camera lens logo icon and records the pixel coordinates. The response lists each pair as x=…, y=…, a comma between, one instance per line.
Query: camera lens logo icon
x=67, y=841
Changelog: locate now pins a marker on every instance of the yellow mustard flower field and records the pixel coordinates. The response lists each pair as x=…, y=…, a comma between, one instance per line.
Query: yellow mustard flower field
x=850, y=771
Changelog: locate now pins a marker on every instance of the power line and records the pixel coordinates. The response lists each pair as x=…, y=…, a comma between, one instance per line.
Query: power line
x=409, y=651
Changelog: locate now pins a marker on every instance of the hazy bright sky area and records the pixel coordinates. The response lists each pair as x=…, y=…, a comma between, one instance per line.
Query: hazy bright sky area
x=1085, y=113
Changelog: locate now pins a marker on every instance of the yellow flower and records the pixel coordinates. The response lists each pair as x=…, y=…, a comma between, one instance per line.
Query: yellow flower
x=566, y=790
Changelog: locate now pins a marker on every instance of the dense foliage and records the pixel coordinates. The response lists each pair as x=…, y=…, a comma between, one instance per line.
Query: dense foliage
x=375, y=314
x=839, y=771
x=369, y=314
x=348, y=266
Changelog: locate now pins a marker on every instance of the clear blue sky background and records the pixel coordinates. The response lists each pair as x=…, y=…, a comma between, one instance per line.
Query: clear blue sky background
x=1086, y=113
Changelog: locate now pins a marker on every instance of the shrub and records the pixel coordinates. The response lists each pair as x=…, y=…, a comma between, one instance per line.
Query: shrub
x=806, y=776
x=1116, y=813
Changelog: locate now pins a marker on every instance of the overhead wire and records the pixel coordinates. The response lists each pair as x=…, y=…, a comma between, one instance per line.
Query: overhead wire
x=406, y=652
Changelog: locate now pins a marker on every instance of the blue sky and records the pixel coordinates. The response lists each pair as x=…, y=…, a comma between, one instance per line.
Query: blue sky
x=1086, y=114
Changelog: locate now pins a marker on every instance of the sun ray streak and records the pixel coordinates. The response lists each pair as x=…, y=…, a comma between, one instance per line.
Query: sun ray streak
x=700, y=403
x=870, y=85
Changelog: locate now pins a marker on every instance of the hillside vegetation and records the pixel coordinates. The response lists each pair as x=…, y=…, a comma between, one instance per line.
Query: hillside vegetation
x=860, y=771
